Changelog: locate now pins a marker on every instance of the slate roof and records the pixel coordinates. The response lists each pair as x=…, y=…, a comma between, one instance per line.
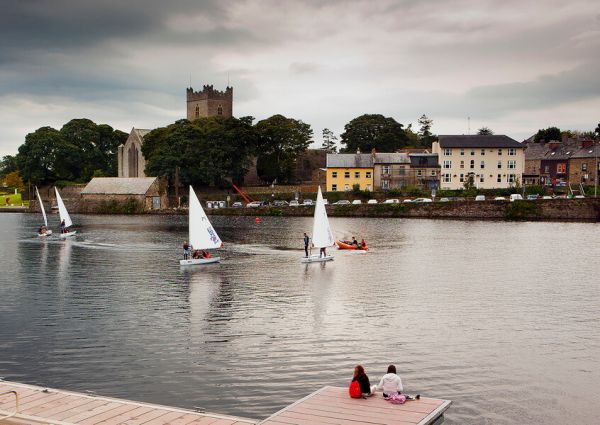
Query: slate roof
x=392, y=158
x=349, y=160
x=477, y=141
x=427, y=160
x=566, y=150
x=119, y=185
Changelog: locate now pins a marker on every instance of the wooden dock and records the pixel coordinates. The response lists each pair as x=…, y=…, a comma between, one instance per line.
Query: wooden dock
x=333, y=406
x=39, y=405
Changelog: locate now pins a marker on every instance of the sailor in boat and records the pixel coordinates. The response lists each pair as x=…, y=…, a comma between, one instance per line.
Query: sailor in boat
x=306, y=242
x=322, y=252
x=363, y=244
x=186, y=250
x=354, y=241
x=42, y=230
x=62, y=227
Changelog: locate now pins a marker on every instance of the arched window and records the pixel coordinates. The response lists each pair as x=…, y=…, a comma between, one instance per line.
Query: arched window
x=220, y=110
x=132, y=161
x=197, y=111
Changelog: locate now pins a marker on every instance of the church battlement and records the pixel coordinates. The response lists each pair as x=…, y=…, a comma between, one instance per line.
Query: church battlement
x=209, y=102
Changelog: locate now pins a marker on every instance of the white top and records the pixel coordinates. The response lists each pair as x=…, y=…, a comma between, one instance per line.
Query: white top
x=390, y=383
x=202, y=235
x=322, y=236
x=62, y=210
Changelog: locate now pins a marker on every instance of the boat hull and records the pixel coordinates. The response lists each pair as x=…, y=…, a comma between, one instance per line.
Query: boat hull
x=199, y=261
x=317, y=259
x=343, y=245
x=43, y=235
x=68, y=234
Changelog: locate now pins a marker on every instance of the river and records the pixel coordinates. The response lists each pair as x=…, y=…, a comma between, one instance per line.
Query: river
x=501, y=318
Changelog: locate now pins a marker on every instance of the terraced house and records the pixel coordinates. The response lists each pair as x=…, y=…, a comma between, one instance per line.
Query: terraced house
x=344, y=170
x=491, y=162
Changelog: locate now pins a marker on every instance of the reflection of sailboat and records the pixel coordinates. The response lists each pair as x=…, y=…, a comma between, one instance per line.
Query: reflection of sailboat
x=322, y=237
x=44, y=231
x=202, y=235
x=64, y=216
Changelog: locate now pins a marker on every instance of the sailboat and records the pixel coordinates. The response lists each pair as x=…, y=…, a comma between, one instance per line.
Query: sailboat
x=45, y=231
x=322, y=237
x=202, y=235
x=64, y=215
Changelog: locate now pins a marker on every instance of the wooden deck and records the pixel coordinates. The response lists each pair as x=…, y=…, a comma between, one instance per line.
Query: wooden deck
x=39, y=405
x=333, y=406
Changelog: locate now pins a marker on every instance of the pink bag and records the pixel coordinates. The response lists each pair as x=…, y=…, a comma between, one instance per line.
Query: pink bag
x=397, y=399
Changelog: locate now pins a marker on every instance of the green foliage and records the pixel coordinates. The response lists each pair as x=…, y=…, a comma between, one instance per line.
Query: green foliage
x=281, y=141
x=356, y=189
x=14, y=180
x=547, y=134
x=426, y=137
x=485, y=131
x=207, y=150
x=11, y=200
x=374, y=131
x=74, y=153
x=130, y=206
x=522, y=210
x=329, y=140
x=8, y=164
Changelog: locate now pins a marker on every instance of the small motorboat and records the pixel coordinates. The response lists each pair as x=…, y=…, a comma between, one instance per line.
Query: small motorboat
x=350, y=245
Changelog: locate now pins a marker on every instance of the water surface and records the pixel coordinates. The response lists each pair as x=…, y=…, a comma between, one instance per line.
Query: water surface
x=501, y=318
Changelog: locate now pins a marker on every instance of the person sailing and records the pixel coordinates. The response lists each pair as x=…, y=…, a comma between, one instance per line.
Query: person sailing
x=354, y=241
x=322, y=252
x=63, y=227
x=186, y=250
x=306, y=242
x=363, y=244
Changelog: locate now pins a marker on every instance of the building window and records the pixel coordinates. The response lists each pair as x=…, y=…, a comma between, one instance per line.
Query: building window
x=584, y=166
x=346, y=187
x=561, y=168
x=357, y=174
x=546, y=169
x=220, y=110
x=433, y=173
x=482, y=165
x=499, y=179
x=334, y=174
x=500, y=152
x=402, y=171
x=481, y=176
x=447, y=164
x=386, y=169
x=197, y=111
x=512, y=151
x=462, y=151
x=483, y=151
x=499, y=164
x=472, y=152
x=334, y=187
x=419, y=173
x=511, y=178
x=385, y=184
x=447, y=178
x=512, y=164
x=368, y=174
x=447, y=152
x=472, y=164
x=462, y=178
x=462, y=164
x=346, y=174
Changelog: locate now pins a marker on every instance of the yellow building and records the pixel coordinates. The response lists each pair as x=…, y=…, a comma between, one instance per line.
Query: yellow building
x=346, y=170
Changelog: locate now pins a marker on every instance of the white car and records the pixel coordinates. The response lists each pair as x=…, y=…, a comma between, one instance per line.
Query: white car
x=499, y=198
x=391, y=201
x=546, y=197
x=342, y=202
x=407, y=201
x=480, y=198
x=294, y=203
x=308, y=202
x=372, y=201
x=356, y=202
x=579, y=197
x=444, y=200
x=422, y=200
x=515, y=197
x=325, y=202
x=254, y=204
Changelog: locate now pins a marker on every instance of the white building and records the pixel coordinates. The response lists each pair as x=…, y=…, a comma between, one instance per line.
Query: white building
x=492, y=162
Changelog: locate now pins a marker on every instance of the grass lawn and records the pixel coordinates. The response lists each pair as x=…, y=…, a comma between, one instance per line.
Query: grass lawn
x=13, y=200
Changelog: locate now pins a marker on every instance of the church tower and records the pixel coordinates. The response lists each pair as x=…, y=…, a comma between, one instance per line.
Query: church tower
x=209, y=102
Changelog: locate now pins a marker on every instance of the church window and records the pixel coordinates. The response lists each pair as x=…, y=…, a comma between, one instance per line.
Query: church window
x=220, y=110
x=197, y=111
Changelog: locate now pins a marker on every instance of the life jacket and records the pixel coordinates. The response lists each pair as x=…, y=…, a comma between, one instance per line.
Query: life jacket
x=354, y=390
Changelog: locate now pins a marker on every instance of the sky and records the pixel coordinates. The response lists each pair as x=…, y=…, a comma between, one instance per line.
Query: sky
x=512, y=65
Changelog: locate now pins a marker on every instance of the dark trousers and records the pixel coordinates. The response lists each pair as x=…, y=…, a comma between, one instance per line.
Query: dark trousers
x=306, y=250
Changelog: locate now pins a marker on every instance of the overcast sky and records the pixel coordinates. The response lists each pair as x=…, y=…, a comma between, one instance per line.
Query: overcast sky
x=512, y=65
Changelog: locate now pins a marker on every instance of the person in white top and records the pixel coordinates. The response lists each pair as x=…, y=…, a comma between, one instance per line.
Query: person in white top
x=390, y=382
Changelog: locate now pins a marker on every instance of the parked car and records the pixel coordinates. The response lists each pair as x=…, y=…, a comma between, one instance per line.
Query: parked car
x=391, y=201
x=280, y=203
x=372, y=201
x=423, y=200
x=237, y=205
x=499, y=198
x=546, y=197
x=325, y=201
x=254, y=204
x=406, y=201
x=480, y=198
x=342, y=202
x=516, y=197
x=308, y=202
x=294, y=203
x=579, y=197
x=533, y=197
x=444, y=199
x=356, y=202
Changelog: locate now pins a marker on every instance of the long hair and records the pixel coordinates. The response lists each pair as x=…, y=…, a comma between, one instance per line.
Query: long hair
x=391, y=369
x=359, y=370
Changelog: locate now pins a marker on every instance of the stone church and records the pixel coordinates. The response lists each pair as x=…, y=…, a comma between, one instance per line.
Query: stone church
x=206, y=103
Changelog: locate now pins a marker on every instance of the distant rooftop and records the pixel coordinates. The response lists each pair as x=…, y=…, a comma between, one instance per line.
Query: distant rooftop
x=477, y=141
x=118, y=185
x=349, y=160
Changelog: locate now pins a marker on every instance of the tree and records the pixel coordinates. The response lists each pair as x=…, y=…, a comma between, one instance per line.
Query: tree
x=329, y=140
x=485, y=131
x=547, y=135
x=425, y=134
x=8, y=164
x=14, y=180
x=281, y=141
x=373, y=131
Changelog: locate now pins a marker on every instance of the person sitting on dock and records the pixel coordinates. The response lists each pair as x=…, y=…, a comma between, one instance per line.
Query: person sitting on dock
x=390, y=383
x=186, y=250
x=306, y=242
x=365, y=386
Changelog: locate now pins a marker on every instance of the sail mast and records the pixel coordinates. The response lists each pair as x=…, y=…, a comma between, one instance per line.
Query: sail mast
x=41, y=206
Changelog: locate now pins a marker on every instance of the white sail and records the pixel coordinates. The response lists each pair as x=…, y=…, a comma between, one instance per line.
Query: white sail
x=62, y=210
x=322, y=236
x=41, y=206
x=202, y=234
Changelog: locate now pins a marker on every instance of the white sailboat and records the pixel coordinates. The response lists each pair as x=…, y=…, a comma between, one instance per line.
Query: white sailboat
x=202, y=235
x=45, y=231
x=322, y=237
x=64, y=216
